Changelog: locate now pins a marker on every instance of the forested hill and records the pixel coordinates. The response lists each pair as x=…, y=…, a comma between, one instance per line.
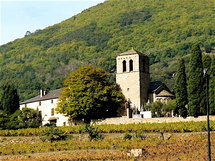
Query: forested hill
x=164, y=30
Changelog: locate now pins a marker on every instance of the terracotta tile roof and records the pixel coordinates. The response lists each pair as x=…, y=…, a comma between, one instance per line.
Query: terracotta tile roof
x=132, y=51
x=165, y=93
x=51, y=95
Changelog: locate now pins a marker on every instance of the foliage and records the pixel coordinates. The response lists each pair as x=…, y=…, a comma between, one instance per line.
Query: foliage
x=127, y=136
x=160, y=109
x=3, y=119
x=139, y=134
x=196, y=83
x=212, y=87
x=168, y=107
x=157, y=109
x=181, y=90
x=171, y=127
x=206, y=61
x=25, y=118
x=52, y=134
x=89, y=95
x=188, y=147
x=94, y=133
x=9, y=99
x=164, y=30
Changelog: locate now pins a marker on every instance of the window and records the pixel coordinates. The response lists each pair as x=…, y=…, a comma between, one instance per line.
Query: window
x=52, y=101
x=131, y=65
x=40, y=103
x=64, y=123
x=52, y=111
x=124, y=66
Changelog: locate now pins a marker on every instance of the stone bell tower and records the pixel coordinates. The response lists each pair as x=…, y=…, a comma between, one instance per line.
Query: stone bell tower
x=133, y=77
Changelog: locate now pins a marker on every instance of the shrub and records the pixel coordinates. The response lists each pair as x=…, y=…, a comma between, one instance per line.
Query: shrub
x=127, y=136
x=140, y=135
x=94, y=133
x=52, y=134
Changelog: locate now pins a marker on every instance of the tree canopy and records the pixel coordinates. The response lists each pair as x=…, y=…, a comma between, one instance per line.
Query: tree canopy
x=196, y=83
x=88, y=94
x=181, y=90
x=9, y=99
x=212, y=87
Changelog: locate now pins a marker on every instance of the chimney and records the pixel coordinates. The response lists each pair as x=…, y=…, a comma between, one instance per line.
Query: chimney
x=42, y=93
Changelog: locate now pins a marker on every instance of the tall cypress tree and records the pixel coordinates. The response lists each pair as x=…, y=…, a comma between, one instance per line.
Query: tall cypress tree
x=181, y=90
x=195, y=83
x=206, y=61
x=212, y=87
x=9, y=100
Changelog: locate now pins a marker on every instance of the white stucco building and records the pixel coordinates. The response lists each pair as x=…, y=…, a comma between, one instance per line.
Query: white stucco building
x=46, y=104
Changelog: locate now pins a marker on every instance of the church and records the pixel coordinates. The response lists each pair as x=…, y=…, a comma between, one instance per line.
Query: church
x=134, y=79
x=132, y=75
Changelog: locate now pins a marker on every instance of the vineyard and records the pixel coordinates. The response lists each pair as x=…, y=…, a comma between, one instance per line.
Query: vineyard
x=172, y=127
x=159, y=141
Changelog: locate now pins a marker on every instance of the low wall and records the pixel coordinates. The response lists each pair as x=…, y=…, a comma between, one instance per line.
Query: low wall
x=125, y=120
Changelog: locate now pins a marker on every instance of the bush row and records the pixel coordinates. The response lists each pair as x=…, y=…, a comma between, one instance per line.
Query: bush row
x=122, y=128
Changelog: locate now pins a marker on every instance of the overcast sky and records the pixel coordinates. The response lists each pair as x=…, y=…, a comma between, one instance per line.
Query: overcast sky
x=19, y=16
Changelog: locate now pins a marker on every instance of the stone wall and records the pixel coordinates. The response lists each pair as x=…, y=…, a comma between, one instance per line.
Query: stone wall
x=125, y=120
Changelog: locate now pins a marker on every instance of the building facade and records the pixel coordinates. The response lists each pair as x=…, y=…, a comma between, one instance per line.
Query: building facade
x=133, y=77
x=46, y=104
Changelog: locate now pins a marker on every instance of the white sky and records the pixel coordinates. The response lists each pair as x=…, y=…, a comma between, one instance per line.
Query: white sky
x=19, y=16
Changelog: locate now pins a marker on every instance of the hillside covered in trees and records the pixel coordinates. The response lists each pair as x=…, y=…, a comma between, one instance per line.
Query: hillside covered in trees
x=164, y=30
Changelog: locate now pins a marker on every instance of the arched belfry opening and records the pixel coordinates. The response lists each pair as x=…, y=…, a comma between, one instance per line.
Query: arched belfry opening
x=131, y=67
x=124, y=66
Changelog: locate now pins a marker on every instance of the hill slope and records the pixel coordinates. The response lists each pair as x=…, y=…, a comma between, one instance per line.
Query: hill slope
x=164, y=30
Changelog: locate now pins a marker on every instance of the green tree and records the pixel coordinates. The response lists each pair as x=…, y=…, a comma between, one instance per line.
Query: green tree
x=195, y=83
x=9, y=99
x=156, y=109
x=27, y=118
x=212, y=87
x=181, y=90
x=3, y=120
x=206, y=60
x=168, y=107
x=88, y=94
x=53, y=134
x=94, y=133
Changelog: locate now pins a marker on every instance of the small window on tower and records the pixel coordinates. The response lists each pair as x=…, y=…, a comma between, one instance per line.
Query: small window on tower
x=124, y=66
x=131, y=65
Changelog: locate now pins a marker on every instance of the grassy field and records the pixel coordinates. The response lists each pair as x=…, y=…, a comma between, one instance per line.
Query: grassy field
x=160, y=145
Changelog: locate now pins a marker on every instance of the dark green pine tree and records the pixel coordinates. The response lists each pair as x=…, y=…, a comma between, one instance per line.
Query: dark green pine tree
x=181, y=90
x=196, y=95
x=212, y=87
x=206, y=60
x=9, y=100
